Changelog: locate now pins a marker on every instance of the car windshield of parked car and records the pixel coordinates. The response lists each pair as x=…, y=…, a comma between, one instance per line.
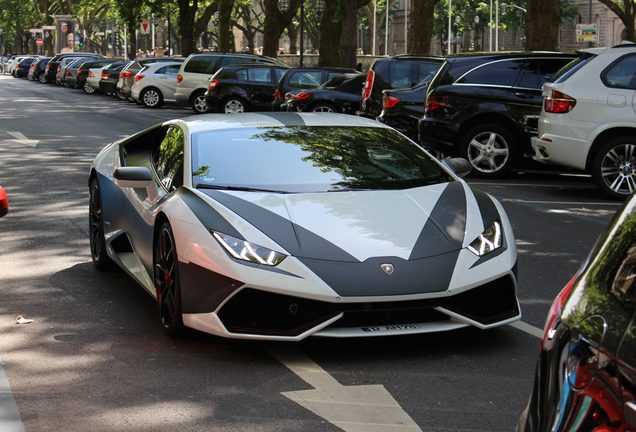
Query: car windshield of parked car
x=311, y=159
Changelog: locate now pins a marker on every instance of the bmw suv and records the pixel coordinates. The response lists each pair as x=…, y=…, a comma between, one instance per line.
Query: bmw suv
x=485, y=107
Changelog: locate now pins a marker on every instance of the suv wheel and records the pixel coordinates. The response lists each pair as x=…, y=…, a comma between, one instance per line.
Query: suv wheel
x=614, y=167
x=233, y=105
x=198, y=103
x=489, y=149
x=323, y=107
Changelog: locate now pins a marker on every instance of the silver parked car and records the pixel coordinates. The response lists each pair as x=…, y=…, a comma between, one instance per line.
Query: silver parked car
x=155, y=84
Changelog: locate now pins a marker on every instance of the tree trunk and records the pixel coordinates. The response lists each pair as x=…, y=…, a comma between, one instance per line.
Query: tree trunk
x=225, y=37
x=275, y=24
x=131, y=23
x=186, y=25
x=292, y=32
x=542, y=31
x=330, y=31
x=421, y=26
x=349, y=36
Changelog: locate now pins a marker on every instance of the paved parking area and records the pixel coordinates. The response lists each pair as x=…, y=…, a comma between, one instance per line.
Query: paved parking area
x=95, y=359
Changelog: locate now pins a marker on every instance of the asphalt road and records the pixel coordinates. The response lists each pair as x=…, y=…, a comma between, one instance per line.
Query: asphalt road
x=95, y=358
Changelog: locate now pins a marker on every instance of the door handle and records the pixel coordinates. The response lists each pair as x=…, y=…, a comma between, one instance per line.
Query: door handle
x=629, y=410
x=523, y=95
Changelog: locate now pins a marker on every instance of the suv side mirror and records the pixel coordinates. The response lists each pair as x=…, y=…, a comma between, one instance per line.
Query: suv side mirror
x=4, y=202
x=460, y=166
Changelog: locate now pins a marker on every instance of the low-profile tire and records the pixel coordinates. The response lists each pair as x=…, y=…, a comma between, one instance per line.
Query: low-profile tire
x=323, y=107
x=167, y=282
x=490, y=148
x=614, y=167
x=233, y=105
x=198, y=103
x=42, y=78
x=88, y=89
x=151, y=97
x=100, y=257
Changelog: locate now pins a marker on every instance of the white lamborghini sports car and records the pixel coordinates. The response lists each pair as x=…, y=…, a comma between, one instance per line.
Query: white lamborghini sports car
x=283, y=225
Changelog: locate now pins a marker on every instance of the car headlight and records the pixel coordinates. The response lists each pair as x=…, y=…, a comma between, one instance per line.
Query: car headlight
x=246, y=251
x=488, y=241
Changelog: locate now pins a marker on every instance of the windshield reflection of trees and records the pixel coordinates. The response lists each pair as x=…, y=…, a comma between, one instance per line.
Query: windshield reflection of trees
x=364, y=157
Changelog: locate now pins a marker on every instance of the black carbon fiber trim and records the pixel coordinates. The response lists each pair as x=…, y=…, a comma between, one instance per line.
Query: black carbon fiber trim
x=426, y=275
x=444, y=230
x=202, y=290
x=297, y=240
x=286, y=118
x=209, y=217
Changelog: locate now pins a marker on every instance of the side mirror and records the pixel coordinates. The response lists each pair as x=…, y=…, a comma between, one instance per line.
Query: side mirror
x=133, y=177
x=4, y=202
x=460, y=166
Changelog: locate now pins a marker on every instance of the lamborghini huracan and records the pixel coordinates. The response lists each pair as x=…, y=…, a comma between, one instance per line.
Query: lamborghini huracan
x=281, y=226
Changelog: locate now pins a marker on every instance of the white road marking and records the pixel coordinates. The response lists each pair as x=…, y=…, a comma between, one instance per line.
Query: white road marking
x=10, y=420
x=21, y=139
x=580, y=203
x=363, y=408
x=527, y=328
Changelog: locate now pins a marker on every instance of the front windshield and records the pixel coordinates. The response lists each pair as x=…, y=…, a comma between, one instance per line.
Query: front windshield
x=311, y=159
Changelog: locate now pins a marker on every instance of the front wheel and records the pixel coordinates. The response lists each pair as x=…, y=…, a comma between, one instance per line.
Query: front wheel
x=167, y=283
x=490, y=149
x=101, y=260
x=614, y=167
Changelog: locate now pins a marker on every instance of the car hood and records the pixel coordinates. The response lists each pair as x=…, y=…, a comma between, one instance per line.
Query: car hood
x=357, y=225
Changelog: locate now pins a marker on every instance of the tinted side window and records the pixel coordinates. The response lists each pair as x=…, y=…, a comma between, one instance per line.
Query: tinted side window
x=202, y=65
x=259, y=75
x=231, y=60
x=426, y=71
x=171, y=70
x=529, y=75
x=305, y=79
x=279, y=73
x=501, y=73
x=400, y=74
x=168, y=159
x=240, y=74
x=622, y=73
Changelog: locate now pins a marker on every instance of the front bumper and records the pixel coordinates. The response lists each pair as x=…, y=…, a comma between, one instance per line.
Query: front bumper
x=251, y=313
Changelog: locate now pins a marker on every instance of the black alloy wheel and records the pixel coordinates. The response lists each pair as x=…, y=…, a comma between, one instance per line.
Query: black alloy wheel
x=614, y=167
x=167, y=284
x=101, y=260
x=490, y=149
x=323, y=107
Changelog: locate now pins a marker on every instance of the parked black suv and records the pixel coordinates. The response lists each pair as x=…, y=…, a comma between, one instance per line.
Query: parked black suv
x=51, y=68
x=304, y=78
x=401, y=71
x=248, y=87
x=484, y=107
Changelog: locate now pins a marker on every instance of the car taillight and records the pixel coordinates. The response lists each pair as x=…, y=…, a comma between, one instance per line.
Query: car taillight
x=179, y=78
x=277, y=95
x=300, y=96
x=389, y=102
x=368, y=85
x=559, y=103
x=48, y=66
x=81, y=71
x=214, y=83
x=104, y=75
x=59, y=68
x=434, y=103
x=139, y=77
x=126, y=74
x=91, y=74
x=69, y=74
x=554, y=314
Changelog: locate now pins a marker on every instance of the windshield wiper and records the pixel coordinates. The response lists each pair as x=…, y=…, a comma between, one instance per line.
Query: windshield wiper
x=237, y=188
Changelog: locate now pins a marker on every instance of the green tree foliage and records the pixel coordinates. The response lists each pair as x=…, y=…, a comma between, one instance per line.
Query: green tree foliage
x=626, y=11
x=16, y=17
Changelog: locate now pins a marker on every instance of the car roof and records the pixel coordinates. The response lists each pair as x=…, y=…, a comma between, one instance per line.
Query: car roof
x=212, y=122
